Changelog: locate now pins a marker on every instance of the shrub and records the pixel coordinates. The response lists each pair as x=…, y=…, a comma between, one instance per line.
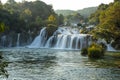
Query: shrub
x=84, y=51
x=95, y=51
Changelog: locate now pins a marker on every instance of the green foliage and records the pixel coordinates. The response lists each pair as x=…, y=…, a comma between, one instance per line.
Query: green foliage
x=52, y=19
x=60, y=19
x=103, y=46
x=94, y=18
x=51, y=28
x=2, y=27
x=116, y=0
x=108, y=25
x=95, y=51
x=71, y=16
x=116, y=43
x=75, y=18
x=65, y=12
x=84, y=12
x=25, y=16
x=11, y=1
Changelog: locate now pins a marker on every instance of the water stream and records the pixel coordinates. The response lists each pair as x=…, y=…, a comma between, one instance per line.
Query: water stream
x=18, y=40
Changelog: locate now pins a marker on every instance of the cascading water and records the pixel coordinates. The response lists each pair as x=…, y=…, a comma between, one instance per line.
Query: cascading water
x=40, y=40
x=3, y=40
x=18, y=40
x=109, y=47
x=63, y=38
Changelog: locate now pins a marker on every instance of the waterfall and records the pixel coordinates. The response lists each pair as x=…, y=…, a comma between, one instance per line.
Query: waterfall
x=40, y=40
x=49, y=42
x=18, y=40
x=3, y=40
x=110, y=48
x=63, y=38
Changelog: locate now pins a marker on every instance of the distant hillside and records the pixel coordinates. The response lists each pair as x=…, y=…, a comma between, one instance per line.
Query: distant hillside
x=65, y=12
x=84, y=12
x=87, y=11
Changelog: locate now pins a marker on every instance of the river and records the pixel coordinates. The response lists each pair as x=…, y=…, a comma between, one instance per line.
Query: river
x=53, y=64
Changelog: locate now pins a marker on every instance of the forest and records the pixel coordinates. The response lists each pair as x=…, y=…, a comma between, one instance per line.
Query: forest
x=24, y=17
x=107, y=21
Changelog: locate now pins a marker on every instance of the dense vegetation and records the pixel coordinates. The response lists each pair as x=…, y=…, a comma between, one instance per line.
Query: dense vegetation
x=94, y=51
x=84, y=12
x=107, y=21
x=25, y=16
x=73, y=19
x=79, y=17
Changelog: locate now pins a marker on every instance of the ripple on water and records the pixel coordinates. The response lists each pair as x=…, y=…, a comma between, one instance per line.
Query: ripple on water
x=47, y=64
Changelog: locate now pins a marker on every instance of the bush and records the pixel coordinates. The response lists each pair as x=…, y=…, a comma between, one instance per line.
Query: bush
x=95, y=51
x=84, y=51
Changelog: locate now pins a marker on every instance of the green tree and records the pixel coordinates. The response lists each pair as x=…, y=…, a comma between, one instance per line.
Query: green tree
x=61, y=19
x=109, y=25
x=2, y=27
x=116, y=0
x=1, y=6
x=39, y=21
x=52, y=19
x=11, y=1
x=94, y=18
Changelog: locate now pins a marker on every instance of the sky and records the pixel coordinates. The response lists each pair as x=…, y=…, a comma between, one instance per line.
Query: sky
x=71, y=4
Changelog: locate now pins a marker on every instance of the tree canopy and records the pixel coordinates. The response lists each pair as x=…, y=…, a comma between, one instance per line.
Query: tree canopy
x=108, y=25
x=24, y=16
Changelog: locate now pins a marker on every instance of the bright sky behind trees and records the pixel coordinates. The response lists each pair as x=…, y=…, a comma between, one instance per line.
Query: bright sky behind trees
x=71, y=4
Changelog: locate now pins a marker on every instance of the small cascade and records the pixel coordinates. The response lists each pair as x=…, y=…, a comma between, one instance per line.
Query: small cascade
x=18, y=40
x=3, y=41
x=10, y=44
x=49, y=42
x=40, y=40
x=63, y=38
x=110, y=48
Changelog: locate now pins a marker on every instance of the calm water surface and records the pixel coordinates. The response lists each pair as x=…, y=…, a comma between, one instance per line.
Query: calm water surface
x=51, y=64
